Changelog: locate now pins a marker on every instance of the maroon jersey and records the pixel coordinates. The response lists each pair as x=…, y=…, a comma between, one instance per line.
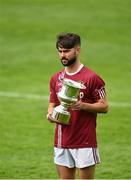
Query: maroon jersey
x=81, y=132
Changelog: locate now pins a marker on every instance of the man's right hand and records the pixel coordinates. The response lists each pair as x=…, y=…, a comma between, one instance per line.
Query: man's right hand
x=50, y=118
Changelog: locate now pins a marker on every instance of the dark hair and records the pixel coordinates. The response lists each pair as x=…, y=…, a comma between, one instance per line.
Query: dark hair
x=68, y=40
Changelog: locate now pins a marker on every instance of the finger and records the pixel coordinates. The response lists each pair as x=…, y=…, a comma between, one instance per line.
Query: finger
x=77, y=108
x=49, y=117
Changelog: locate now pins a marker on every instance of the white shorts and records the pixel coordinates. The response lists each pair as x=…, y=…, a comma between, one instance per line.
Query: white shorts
x=80, y=158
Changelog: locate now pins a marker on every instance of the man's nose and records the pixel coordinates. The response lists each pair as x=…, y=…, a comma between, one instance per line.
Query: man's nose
x=63, y=54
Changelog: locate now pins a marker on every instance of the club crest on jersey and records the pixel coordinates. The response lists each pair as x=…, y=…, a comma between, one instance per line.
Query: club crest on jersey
x=60, y=81
x=61, y=76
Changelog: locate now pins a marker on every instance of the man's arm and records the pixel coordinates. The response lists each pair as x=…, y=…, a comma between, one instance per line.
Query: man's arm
x=51, y=107
x=50, y=111
x=101, y=106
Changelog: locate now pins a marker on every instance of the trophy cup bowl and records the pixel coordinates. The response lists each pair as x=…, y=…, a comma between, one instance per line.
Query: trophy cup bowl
x=69, y=94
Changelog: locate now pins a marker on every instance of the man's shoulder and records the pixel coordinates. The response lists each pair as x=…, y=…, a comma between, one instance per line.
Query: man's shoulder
x=89, y=72
x=91, y=75
x=57, y=74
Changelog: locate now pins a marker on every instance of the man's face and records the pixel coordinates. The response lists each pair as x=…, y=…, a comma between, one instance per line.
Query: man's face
x=68, y=56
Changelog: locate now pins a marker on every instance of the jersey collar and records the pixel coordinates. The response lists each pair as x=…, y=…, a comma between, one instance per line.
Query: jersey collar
x=78, y=70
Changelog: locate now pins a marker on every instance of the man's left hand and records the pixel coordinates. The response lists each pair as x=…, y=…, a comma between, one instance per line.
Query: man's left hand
x=77, y=106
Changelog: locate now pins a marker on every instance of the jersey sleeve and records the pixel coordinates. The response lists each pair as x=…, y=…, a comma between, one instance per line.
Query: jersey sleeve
x=97, y=86
x=53, y=95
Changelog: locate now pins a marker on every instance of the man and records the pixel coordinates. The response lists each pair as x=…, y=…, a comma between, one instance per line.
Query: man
x=75, y=144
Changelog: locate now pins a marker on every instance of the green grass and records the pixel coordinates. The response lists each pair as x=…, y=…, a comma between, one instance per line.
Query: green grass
x=28, y=59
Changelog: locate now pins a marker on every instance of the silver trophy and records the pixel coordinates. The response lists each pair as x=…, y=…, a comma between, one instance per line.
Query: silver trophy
x=69, y=94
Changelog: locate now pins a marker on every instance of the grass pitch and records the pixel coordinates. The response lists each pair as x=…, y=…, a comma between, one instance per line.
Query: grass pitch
x=28, y=59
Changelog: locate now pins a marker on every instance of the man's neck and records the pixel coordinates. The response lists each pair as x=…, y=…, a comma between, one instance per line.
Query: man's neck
x=73, y=68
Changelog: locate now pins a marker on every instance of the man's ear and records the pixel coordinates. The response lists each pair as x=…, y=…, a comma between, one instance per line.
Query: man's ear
x=78, y=49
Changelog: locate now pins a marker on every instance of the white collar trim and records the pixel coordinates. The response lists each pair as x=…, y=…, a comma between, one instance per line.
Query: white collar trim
x=78, y=70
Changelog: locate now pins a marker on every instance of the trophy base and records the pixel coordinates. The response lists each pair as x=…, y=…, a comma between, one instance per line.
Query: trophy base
x=60, y=115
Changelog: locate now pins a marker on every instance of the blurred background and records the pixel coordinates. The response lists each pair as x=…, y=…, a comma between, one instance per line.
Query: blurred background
x=28, y=58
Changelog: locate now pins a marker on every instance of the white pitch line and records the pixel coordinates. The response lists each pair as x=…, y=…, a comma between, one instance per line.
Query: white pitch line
x=23, y=95
x=42, y=97
x=120, y=104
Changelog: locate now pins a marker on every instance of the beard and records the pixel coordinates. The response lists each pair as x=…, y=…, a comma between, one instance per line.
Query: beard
x=67, y=62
